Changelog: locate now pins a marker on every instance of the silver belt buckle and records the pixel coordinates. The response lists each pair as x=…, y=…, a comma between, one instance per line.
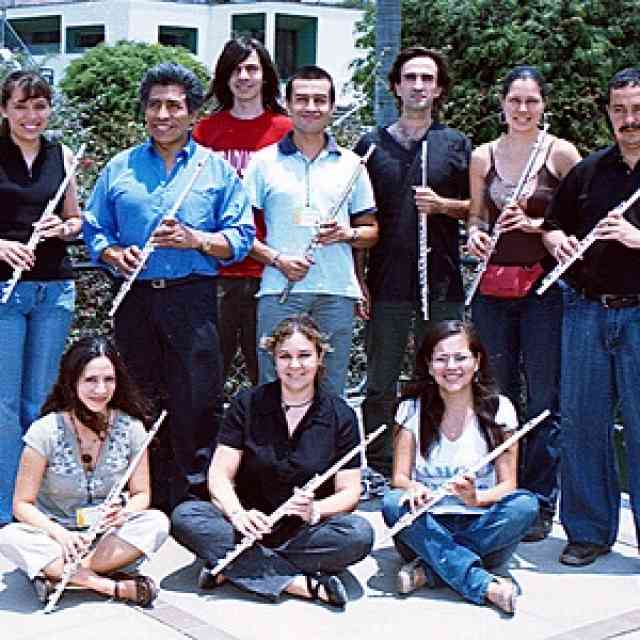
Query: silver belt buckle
x=159, y=283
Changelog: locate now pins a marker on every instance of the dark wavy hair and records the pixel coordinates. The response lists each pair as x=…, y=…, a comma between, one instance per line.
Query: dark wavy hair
x=444, y=79
x=167, y=73
x=524, y=72
x=425, y=388
x=32, y=84
x=64, y=395
x=236, y=51
x=305, y=325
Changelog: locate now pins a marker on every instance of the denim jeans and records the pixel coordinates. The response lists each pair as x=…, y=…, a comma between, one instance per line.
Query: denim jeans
x=237, y=306
x=34, y=324
x=459, y=548
x=328, y=547
x=528, y=331
x=334, y=316
x=600, y=367
x=387, y=336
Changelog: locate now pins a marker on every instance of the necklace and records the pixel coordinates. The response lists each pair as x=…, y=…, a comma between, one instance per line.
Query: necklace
x=286, y=406
x=85, y=447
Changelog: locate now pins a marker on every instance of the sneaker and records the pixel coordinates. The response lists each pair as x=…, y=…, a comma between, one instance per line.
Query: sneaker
x=411, y=576
x=540, y=529
x=580, y=554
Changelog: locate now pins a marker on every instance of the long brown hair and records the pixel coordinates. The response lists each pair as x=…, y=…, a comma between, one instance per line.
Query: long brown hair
x=64, y=395
x=425, y=388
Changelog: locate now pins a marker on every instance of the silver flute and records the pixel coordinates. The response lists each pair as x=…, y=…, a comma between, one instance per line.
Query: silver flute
x=149, y=247
x=411, y=516
x=71, y=567
x=333, y=213
x=35, y=237
x=423, y=237
x=513, y=200
x=310, y=487
x=583, y=245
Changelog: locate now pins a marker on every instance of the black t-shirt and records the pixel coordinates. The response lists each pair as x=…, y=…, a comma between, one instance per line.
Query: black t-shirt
x=590, y=190
x=394, y=171
x=273, y=464
x=24, y=195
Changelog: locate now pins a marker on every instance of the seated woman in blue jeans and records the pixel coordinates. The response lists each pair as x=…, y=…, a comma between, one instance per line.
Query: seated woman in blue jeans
x=274, y=439
x=447, y=421
x=35, y=319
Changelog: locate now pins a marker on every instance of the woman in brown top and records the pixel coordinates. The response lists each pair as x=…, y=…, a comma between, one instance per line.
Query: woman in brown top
x=521, y=329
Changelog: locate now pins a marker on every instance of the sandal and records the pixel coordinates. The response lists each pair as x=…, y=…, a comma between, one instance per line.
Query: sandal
x=43, y=587
x=146, y=589
x=334, y=589
x=504, y=595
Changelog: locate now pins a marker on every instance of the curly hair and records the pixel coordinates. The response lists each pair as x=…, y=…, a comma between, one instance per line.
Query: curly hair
x=64, y=395
x=305, y=325
x=167, y=73
x=425, y=388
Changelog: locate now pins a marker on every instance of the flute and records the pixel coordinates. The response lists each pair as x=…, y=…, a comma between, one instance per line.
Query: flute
x=409, y=517
x=149, y=247
x=515, y=197
x=35, y=237
x=423, y=249
x=311, y=486
x=98, y=527
x=333, y=213
x=583, y=245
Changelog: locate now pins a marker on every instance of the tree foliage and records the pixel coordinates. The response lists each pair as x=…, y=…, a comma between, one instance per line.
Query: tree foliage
x=577, y=45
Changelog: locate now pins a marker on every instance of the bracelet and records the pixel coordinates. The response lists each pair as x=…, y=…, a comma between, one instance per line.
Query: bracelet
x=315, y=515
x=274, y=260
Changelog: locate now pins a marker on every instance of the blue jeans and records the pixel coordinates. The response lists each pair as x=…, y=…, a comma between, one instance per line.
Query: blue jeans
x=34, y=325
x=529, y=330
x=600, y=367
x=334, y=317
x=458, y=548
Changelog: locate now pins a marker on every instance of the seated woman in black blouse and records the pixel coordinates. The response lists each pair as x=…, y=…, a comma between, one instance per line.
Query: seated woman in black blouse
x=275, y=438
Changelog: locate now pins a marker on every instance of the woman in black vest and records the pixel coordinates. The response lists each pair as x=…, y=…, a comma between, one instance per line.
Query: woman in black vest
x=35, y=320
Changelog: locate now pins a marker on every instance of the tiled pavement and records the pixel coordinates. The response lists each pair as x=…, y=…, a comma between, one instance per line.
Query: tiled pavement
x=557, y=603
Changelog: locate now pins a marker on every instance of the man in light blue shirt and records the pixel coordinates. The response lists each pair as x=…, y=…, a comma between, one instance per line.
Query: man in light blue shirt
x=166, y=325
x=296, y=183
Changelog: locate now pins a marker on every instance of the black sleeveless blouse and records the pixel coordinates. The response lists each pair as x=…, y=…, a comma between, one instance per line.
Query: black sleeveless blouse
x=24, y=195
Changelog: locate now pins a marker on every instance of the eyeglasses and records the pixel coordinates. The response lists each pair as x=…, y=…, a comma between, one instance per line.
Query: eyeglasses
x=459, y=359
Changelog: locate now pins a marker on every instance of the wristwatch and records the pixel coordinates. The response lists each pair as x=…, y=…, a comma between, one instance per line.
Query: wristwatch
x=315, y=515
x=355, y=235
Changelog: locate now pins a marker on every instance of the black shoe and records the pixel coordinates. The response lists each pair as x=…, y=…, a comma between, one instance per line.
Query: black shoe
x=206, y=580
x=540, y=529
x=336, y=593
x=43, y=588
x=580, y=554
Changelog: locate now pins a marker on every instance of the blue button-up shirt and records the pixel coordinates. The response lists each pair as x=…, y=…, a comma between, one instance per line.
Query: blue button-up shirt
x=134, y=192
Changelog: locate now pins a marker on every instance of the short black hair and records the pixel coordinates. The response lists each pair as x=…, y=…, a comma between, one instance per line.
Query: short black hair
x=444, y=80
x=523, y=72
x=629, y=77
x=32, y=84
x=311, y=72
x=234, y=52
x=167, y=73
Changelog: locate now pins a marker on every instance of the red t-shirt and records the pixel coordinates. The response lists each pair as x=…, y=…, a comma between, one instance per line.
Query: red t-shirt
x=236, y=140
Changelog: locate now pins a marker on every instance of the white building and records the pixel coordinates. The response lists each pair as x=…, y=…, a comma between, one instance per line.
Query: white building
x=295, y=33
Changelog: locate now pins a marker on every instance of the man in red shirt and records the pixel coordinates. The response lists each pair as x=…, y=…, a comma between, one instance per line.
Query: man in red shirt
x=247, y=117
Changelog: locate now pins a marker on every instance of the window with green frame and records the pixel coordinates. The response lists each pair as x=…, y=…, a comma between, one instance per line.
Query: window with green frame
x=43, y=35
x=81, y=38
x=251, y=25
x=296, y=42
x=186, y=37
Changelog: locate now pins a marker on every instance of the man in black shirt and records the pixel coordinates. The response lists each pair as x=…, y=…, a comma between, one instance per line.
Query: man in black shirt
x=601, y=328
x=420, y=81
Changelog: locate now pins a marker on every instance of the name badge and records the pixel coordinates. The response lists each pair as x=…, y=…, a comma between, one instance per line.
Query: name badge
x=87, y=516
x=307, y=217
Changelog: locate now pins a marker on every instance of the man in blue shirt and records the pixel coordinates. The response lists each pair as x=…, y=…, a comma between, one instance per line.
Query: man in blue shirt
x=166, y=324
x=296, y=183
